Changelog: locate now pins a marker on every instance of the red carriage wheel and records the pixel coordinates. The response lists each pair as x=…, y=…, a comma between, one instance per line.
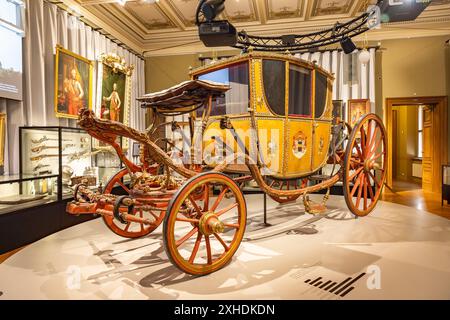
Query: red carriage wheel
x=365, y=165
x=292, y=184
x=130, y=229
x=201, y=236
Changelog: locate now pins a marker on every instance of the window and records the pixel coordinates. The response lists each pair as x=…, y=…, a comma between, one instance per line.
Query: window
x=11, y=33
x=274, y=78
x=420, y=132
x=236, y=100
x=321, y=94
x=299, y=91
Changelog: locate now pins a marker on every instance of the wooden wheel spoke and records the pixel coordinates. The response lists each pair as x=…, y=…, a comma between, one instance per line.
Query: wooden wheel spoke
x=219, y=198
x=358, y=198
x=363, y=141
x=141, y=215
x=374, y=138
x=182, y=240
x=222, y=242
x=195, y=205
x=365, y=191
x=127, y=226
x=372, y=197
x=377, y=144
x=359, y=151
x=206, y=198
x=123, y=186
x=196, y=246
x=354, y=174
x=231, y=225
x=378, y=155
x=355, y=187
x=153, y=215
x=208, y=249
x=226, y=209
x=374, y=179
x=369, y=135
x=187, y=220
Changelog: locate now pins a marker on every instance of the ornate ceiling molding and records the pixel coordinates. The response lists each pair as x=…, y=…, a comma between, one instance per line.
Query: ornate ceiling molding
x=263, y=17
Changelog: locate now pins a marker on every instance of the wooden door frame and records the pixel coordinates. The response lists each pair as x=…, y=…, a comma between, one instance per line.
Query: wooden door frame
x=440, y=133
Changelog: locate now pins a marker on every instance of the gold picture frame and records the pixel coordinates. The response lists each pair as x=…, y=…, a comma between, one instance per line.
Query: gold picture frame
x=114, y=89
x=73, y=83
x=357, y=108
x=2, y=138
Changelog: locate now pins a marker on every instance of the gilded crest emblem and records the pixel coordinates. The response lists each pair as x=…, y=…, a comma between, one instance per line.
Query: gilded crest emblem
x=299, y=145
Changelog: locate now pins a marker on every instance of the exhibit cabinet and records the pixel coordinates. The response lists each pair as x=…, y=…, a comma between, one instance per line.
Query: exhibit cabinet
x=69, y=152
x=52, y=161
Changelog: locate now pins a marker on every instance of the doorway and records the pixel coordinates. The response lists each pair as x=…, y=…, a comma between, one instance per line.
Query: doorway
x=407, y=147
x=417, y=142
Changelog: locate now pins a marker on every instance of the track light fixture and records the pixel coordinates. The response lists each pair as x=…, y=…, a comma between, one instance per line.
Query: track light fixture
x=347, y=45
x=212, y=8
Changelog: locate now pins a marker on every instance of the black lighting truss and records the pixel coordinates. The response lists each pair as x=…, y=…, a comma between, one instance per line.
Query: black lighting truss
x=298, y=43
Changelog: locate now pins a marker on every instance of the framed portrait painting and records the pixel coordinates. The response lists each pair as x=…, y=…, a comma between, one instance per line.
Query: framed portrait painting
x=114, y=90
x=356, y=109
x=73, y=83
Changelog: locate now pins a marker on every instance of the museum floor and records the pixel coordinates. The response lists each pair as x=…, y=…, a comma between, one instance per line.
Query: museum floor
x=396, y=252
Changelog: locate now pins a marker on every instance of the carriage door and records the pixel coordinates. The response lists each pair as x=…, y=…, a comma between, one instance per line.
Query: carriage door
x=322, y=123
x=299, y=144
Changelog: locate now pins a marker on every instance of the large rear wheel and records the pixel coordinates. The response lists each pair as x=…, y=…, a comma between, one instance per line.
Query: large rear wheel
x=365, y=165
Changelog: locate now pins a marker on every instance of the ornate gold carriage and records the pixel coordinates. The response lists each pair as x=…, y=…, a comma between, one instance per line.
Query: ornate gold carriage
x=257, y=116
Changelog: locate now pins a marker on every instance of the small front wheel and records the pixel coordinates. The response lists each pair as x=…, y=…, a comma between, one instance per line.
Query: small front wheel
x=201, y=235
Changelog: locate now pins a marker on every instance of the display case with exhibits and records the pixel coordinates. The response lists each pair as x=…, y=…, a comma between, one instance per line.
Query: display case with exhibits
x=69, y=153
x=24, y=191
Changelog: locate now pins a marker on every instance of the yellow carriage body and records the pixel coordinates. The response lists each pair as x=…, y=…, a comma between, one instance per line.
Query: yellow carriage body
x=291, y=100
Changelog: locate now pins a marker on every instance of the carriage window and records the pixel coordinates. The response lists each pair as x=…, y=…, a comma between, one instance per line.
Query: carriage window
x=299, y=91
x=236, y=100
x=321, y=94
x=274, y=74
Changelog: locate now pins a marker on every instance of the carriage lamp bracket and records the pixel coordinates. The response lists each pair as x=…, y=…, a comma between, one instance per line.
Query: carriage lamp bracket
x=120, y=201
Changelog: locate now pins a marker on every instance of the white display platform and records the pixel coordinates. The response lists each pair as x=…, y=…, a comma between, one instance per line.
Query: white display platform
x=397, y=252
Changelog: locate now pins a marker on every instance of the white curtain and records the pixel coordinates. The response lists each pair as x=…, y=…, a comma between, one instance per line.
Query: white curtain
x=353, y=80
x=47, y=26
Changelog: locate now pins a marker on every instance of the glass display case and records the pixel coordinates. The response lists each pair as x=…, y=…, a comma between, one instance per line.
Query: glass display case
x=70, y=153
x=23, y=191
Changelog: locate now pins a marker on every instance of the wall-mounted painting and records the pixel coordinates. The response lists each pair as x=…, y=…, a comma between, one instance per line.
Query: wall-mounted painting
x=114, y=89
x=73, y=83
x=356, y=109
x=338, y=110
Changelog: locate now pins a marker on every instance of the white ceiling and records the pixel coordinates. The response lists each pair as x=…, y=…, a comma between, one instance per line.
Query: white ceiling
x=167, y=27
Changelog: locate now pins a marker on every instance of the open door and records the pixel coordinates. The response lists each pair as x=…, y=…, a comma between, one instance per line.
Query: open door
x=427, y=157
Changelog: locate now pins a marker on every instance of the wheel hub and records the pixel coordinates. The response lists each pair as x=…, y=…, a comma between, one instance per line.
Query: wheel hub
x=209, y=223
x=370, y=164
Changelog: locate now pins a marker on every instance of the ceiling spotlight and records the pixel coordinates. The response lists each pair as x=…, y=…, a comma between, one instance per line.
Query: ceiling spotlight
x=212, y=8
x=347, y=45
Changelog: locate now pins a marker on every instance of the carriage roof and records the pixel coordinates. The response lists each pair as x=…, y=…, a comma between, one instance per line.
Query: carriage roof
x=188, y=96
x=259, y=55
